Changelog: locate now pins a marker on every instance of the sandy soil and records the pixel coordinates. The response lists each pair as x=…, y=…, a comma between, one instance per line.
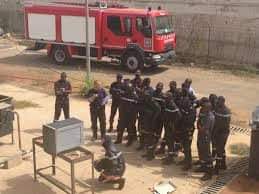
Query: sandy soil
x=242, y=184
x=241, y=94
x=141, y=174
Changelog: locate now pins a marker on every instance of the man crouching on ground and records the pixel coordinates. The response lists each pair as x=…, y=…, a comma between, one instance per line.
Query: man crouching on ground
x=112, y=166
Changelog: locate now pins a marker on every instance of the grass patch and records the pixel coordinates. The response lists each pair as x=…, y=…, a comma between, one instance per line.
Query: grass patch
x=88, y=84
x=22, y=104
x=240, y=149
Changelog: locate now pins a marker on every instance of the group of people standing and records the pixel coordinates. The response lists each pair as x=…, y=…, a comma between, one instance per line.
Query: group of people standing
x=160, y=119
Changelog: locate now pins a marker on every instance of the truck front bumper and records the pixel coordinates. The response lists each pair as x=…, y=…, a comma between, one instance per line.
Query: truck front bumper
x=160, y=58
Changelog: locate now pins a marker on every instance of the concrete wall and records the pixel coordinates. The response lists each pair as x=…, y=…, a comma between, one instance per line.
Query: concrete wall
x=215, y=29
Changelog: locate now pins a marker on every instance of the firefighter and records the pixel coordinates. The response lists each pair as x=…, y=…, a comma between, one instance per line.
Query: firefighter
x=137, y=81
x=213, y=100
x=146, y=88
x=151, y=111
x=221, y=132
x=98, y=98
x=187, y=92
x=205, y=126
x=200, y=103
x=176, y=98
x=188, y=84
x=173, y=89
x=115, y=90
x=158, y=96
x=112, y=166
x=186, y=130
x=127, y=114
x=171, y=116
x=62, y=89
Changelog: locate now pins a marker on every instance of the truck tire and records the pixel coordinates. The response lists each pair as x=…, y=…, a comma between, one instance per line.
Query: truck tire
x=133, y=61
x=60, y=55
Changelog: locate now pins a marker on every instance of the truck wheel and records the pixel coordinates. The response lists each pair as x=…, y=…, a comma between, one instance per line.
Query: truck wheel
x=133, y=61
x=60, y=55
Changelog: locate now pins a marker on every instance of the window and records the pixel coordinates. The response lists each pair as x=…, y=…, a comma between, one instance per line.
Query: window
x=114, y=24
x=143, y=24
x=164, y=25
x=128, y=26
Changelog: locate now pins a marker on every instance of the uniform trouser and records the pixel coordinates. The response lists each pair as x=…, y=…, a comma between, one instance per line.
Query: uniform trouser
x=114, y=108
x=141, y=134
x=220, y=143
x=187, y=145
x=98, y=114
x=127, y=121
x=203, y=143
x=213, y=144
x=159, y=125
x=59, y=106
x=170, y=136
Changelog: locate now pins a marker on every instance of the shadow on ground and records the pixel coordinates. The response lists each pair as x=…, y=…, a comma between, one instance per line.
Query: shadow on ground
x=25, y=185
x=41, y=60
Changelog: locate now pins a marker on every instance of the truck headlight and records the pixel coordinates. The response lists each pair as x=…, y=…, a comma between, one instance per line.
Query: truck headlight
x=156, y=57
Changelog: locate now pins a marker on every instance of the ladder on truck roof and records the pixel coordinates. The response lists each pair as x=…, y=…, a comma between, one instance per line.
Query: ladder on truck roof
x=95, y=3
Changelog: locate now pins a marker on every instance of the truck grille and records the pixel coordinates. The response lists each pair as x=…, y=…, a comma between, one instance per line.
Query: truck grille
x=168, y=46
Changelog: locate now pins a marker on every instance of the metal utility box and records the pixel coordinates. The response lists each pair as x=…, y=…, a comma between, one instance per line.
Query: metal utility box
x=5, y=99
x=62, y=135
x=6, y=119
x=253, y=170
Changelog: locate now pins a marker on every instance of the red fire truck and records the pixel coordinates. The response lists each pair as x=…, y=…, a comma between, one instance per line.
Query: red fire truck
x=134, y=37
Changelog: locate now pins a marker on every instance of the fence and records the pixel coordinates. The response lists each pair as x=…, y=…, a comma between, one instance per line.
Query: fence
x=217, y=38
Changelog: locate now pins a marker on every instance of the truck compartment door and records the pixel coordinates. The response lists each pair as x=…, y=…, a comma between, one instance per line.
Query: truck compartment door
x=73, y=29
x=42, y=27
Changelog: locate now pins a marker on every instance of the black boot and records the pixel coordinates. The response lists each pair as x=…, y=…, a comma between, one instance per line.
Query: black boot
x=208, y=174
x=216, y=168
x=223, y=164
x=187, y=166
x=206, y=177
x=197, y=163
x=121, y=183
x=94, y=137
x=141, y=143
x=200, y=169
x=130, y=141
x=150, y=155
x=168, y=160
x=119, y=138
x=140, y=147
x=103, y=133
x=144, y=155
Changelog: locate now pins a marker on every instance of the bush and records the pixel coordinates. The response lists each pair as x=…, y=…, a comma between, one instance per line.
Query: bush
x=88, y=84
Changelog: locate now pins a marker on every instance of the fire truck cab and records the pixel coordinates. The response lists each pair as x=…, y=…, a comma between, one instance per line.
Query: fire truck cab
x=135, y=37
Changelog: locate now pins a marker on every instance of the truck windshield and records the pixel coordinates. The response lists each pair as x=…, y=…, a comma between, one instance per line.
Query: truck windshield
x=164, y=25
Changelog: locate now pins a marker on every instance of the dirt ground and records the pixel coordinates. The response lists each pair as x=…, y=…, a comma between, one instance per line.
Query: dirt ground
x=33, y=70
x=241, y=94
x=242, y=184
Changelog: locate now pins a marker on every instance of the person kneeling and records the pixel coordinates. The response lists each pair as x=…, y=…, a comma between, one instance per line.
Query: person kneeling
x=112, y=166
